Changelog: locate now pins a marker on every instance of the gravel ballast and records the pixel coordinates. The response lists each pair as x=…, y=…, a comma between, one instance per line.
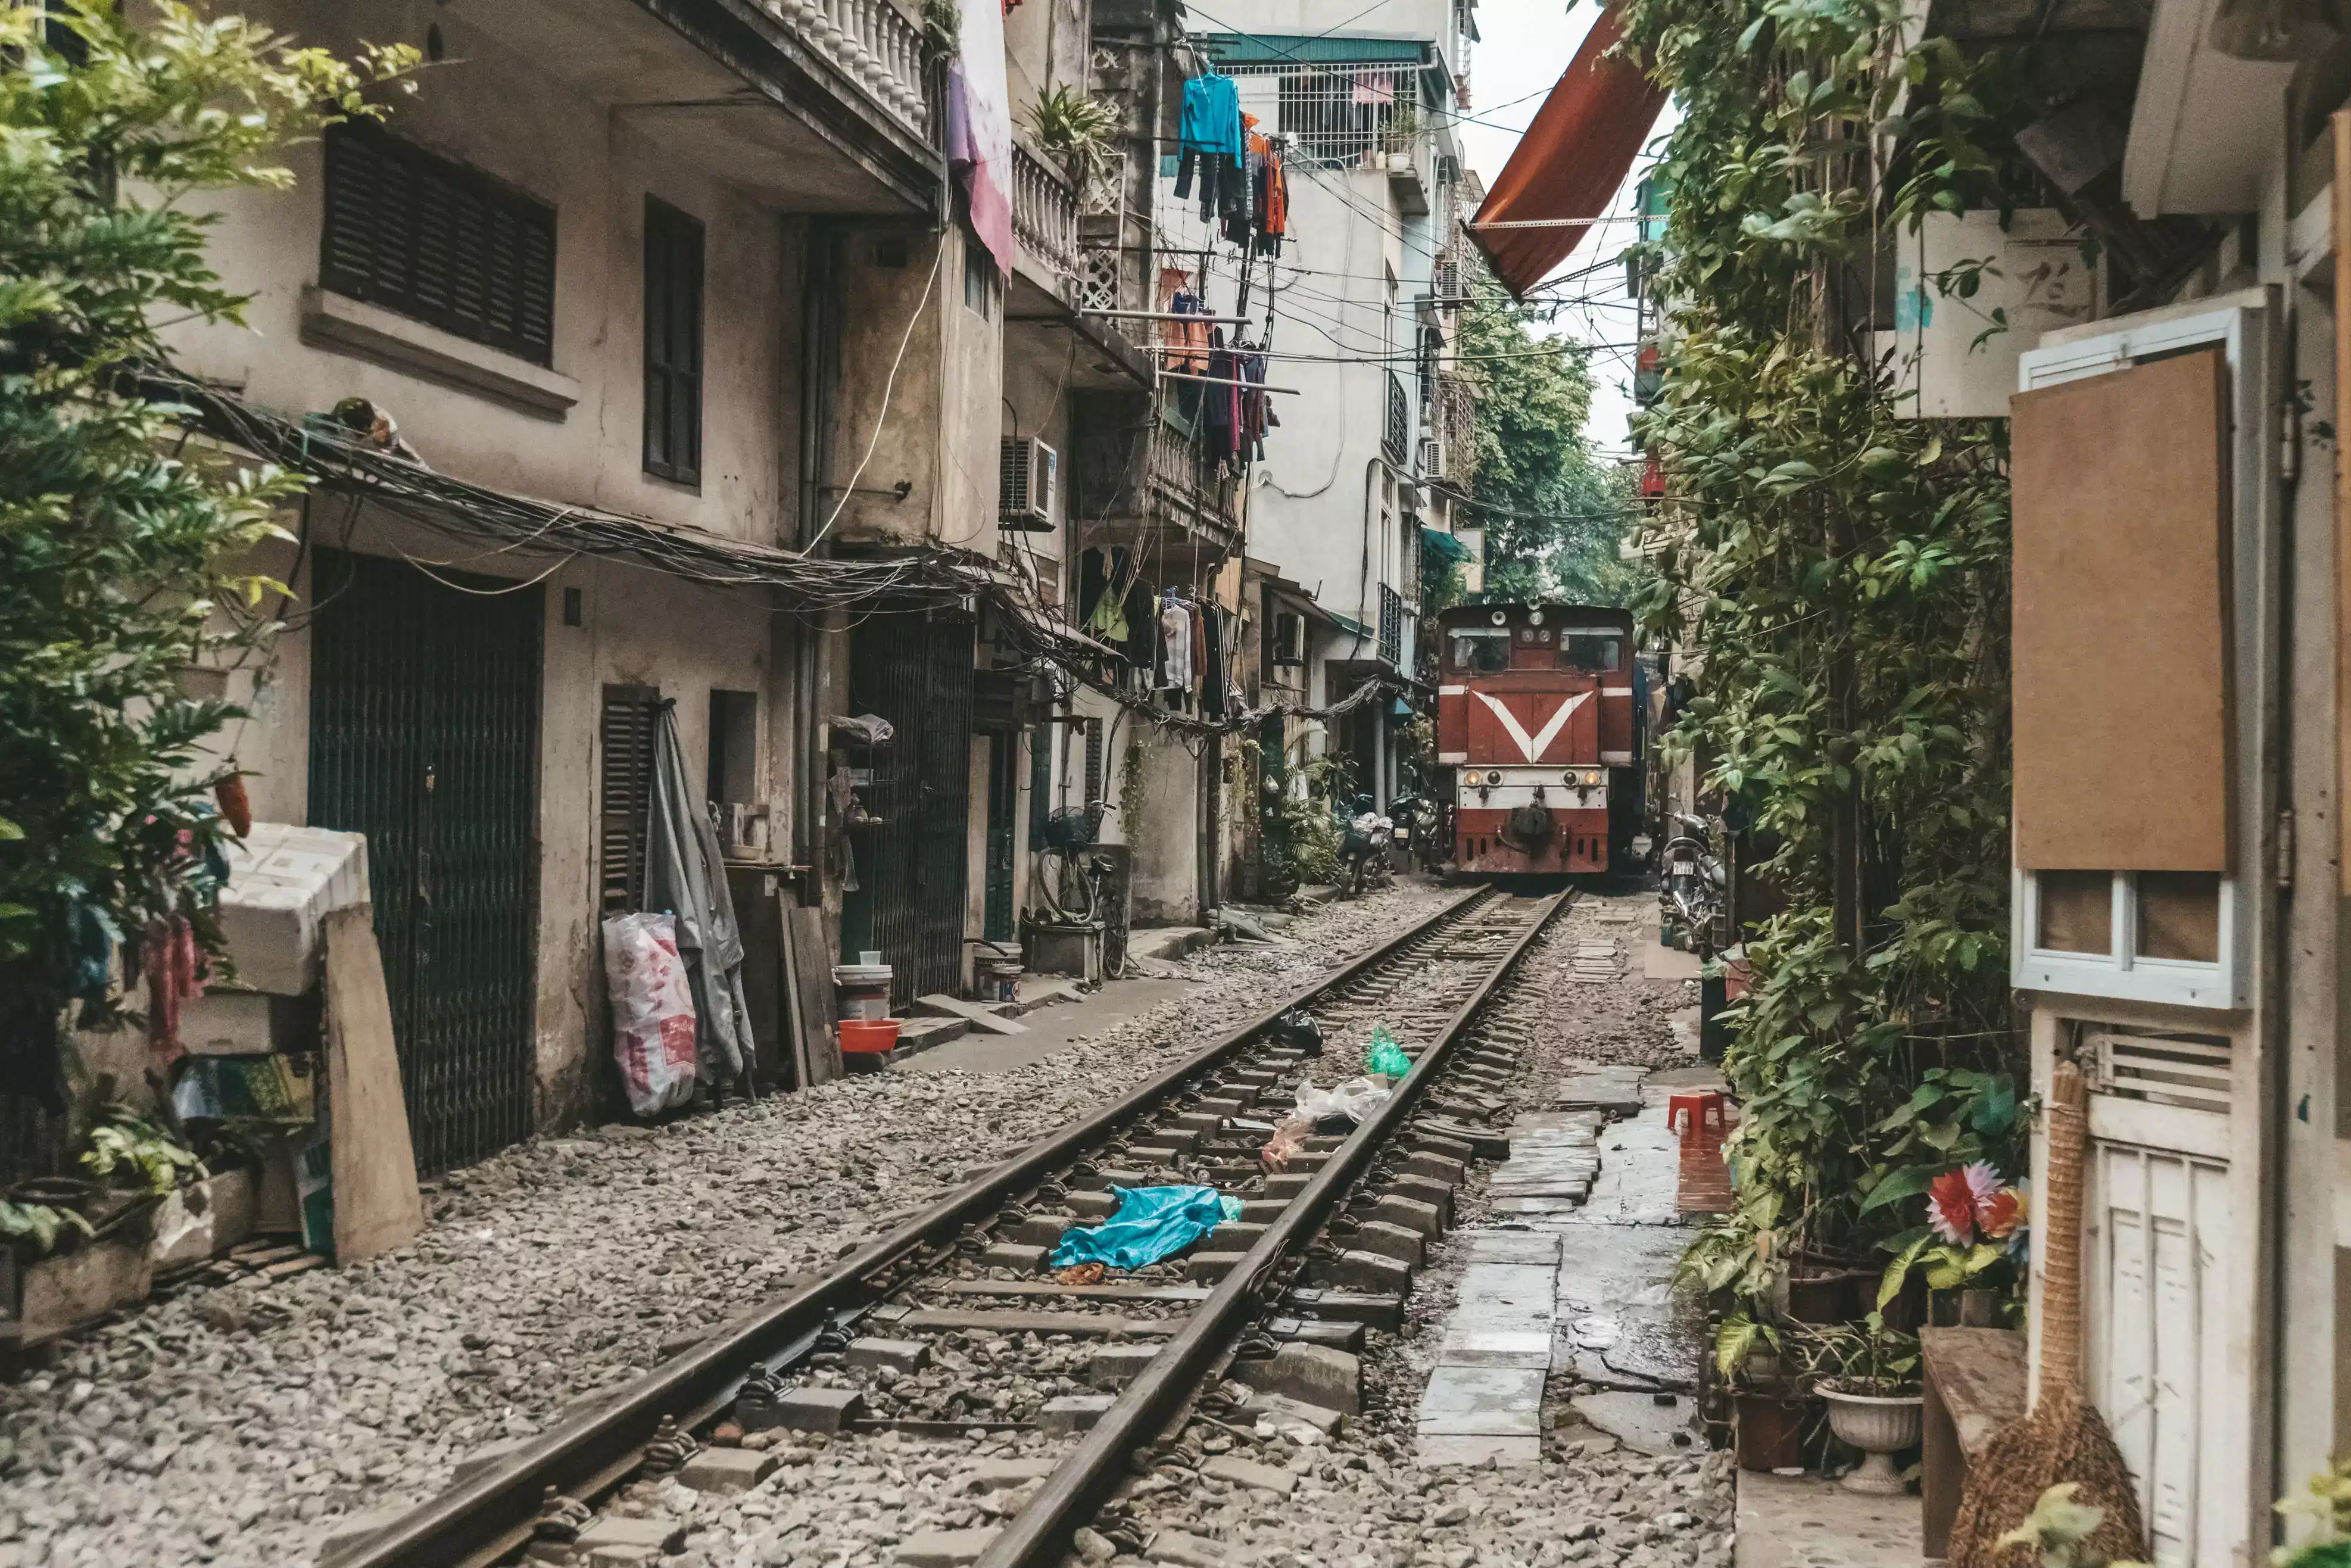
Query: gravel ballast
x=243, y=1424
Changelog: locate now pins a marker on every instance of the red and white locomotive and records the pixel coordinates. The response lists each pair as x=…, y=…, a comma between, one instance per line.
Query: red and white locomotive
x=1541, y=722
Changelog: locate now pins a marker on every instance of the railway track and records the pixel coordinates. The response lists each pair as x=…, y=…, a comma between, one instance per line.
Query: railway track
x=948, y=1327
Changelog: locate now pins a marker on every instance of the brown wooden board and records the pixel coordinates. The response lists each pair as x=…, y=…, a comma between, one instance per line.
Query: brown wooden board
x=377, y=1205
x=2121, y=623
x=788, y=1000
x=813, y=975
x=759, y=917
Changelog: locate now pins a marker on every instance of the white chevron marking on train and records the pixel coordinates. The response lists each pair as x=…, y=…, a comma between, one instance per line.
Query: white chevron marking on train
x=1534, y=745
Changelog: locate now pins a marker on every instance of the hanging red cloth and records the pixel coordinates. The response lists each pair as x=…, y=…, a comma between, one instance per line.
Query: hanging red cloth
x=175, y=975
x=1571, y=162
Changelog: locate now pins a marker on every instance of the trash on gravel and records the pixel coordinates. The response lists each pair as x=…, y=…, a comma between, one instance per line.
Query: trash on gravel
x=1287, y=1139
x=1298, y=1028
x=1080, y=1274
x=1384, y=1056
x=1345, y=1105
x=653, y=1011
x=1151, y=1223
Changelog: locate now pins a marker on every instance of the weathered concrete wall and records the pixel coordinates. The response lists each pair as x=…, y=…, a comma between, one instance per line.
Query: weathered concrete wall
x=490, y=108
x=1163, y=826
x=1045, y=44
x=630, y=634
x=939, y=427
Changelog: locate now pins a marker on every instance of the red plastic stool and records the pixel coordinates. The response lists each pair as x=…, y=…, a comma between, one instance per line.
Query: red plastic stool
x=1700, y=1119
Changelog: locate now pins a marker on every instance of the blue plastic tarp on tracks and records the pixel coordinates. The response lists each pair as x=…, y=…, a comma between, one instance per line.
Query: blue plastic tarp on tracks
x=1151, y=1223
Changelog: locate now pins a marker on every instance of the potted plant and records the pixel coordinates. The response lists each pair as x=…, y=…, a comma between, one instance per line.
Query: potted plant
x=1874, y=1399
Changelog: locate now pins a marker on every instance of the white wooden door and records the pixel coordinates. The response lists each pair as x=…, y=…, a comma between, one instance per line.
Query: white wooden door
x=2161, y=1342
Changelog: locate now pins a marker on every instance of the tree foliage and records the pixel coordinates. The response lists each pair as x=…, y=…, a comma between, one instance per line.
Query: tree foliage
x=120, y=539
x=1843, y=571
x=1552, y=512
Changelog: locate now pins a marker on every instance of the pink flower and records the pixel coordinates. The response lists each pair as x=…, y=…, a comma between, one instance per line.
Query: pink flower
x=1956, y=1201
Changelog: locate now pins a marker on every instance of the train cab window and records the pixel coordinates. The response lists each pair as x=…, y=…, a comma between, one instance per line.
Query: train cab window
x=1479, y=650
x=1594, y=652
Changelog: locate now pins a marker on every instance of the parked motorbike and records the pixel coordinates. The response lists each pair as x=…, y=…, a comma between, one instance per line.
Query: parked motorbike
x=1416, y=819
x=1691, y=885
x=1363, y=847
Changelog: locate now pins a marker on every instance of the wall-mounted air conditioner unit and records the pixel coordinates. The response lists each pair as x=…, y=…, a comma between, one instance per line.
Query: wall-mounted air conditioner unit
x=1027, y=485
x=1432, y=458
x=1289, y=638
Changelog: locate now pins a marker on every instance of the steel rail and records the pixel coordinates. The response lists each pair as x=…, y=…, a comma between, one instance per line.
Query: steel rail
x=1040, y=1534
x=481, y=1519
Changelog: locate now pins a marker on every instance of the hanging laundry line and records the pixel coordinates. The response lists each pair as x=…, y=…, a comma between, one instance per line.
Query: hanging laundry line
x=1227, y=381
x=1173, y=315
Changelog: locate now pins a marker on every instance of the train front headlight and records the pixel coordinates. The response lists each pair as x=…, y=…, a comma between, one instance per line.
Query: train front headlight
x=1590, y=778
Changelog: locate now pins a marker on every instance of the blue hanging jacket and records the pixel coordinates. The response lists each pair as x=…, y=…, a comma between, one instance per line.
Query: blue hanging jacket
x=1151, y=1223
x=1212, y=116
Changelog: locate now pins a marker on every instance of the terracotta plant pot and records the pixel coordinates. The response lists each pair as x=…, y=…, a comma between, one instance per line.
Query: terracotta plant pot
x=1768, y=1430
x=1880, y=1425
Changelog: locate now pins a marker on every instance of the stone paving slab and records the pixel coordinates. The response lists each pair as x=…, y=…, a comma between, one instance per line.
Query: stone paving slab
x=1482, y=1402
x=1639, y=1422
x=1806, y=1522
x=1537, y=1247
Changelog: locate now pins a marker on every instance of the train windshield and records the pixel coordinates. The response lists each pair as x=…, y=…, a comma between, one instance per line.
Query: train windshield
x=1591, y=651
x=1484, y=650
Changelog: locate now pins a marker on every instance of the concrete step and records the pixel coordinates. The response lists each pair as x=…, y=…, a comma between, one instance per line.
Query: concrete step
x=979, y=1015
x=921, y=1033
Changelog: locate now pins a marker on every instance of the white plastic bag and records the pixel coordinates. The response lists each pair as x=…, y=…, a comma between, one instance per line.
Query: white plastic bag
x=653, y=1011
x=1355, y=1099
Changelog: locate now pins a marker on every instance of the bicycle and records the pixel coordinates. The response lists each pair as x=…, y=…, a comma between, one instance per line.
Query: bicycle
x=1072, y=883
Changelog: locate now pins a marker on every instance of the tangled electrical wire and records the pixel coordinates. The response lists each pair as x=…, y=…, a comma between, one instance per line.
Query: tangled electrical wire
x=344, y=461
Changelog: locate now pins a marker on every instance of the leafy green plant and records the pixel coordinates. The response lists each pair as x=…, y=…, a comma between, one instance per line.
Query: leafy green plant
x=1864, y=1357
x=2056, y=1528
x=36, y=1228
x=1553, y=513
x=942, y=32
x=121, y=545
x=1842, y=568
x=1080, y=129
x=2328, y=1501
x=128, y=1152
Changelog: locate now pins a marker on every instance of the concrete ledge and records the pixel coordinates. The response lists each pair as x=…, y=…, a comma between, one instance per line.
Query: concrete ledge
x=367, y=331
x=1167, y=943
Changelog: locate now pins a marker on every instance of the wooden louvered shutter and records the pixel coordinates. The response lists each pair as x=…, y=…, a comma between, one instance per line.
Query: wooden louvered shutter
x=626, y=793
x=438, y=242
x=672, y=343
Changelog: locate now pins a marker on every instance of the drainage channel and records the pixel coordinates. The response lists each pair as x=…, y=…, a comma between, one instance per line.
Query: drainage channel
x=952, y=1331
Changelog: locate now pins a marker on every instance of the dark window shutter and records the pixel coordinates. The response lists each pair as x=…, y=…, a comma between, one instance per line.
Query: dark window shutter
x=626, y=793
x=672, y=343
x=436, y=240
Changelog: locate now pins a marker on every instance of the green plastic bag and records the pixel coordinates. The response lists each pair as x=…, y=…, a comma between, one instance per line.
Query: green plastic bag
x=1384, y=1055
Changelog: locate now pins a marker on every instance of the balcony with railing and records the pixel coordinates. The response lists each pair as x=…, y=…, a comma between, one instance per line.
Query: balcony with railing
x=1141, y=472
x=1045, y=218
x=874, y=42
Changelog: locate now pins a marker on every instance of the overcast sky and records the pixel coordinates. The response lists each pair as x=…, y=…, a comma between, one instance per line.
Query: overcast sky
x=1524, y=46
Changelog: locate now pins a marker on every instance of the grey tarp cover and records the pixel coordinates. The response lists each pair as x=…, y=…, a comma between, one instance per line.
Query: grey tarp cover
x=685, y=876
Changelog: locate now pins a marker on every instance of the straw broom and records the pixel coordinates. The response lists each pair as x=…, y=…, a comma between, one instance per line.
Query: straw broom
x=2063, y=1439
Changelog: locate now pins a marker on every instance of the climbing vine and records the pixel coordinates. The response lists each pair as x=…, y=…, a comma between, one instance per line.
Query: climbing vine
x=1843, y=571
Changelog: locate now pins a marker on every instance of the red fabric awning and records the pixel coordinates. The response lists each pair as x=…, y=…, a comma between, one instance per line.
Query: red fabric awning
x=1571, y=162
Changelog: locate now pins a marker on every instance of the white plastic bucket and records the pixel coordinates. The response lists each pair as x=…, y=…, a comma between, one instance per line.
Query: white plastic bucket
x=862, y=991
